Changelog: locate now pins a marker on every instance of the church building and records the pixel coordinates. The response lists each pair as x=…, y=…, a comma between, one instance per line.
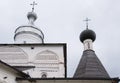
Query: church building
x=31, y=60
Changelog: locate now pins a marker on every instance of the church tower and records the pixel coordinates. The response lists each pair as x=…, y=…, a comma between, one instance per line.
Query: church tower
x=89, y=65
x=31, y=55
x=29, y=33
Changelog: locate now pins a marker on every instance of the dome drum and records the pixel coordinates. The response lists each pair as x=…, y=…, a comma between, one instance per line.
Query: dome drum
x=28, y=32
x=30, y=29
x=28, y=37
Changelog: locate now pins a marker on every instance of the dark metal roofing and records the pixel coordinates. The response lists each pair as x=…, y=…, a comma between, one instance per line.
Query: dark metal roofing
x=34, y=79
x=90, y=66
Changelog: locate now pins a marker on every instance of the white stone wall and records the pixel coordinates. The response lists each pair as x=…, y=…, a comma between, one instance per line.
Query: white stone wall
x=47, y=59
x=7, y=76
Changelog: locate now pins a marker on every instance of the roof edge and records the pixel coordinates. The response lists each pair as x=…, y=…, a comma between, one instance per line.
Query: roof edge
x=5, y=44
x=34, y=79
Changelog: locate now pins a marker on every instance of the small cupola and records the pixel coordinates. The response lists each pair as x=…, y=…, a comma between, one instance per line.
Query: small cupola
x=29, y=33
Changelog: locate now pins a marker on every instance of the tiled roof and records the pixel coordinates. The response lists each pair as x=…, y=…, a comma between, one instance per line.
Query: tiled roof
x=90, y=66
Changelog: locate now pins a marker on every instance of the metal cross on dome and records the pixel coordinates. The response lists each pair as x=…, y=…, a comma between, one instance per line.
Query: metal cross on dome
x=33, y=4
x=87, y=22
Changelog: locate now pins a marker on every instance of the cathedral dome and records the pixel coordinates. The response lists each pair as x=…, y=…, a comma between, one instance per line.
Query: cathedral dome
x=29, y=33
x=87, y=34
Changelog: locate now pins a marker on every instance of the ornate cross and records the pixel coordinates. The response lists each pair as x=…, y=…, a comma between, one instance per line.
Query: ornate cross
x=87, y=22
x=33, y=4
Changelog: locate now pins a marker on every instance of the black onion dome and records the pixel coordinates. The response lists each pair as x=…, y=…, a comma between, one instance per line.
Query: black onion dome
x=87, y=34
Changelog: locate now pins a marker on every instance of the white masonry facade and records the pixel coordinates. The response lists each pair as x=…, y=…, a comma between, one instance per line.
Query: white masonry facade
x=37, y=60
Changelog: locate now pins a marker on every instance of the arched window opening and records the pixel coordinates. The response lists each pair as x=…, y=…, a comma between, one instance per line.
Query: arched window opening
x=44, y=75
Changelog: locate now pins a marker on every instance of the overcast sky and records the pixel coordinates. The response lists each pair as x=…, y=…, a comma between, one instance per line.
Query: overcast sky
x=62, y=22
